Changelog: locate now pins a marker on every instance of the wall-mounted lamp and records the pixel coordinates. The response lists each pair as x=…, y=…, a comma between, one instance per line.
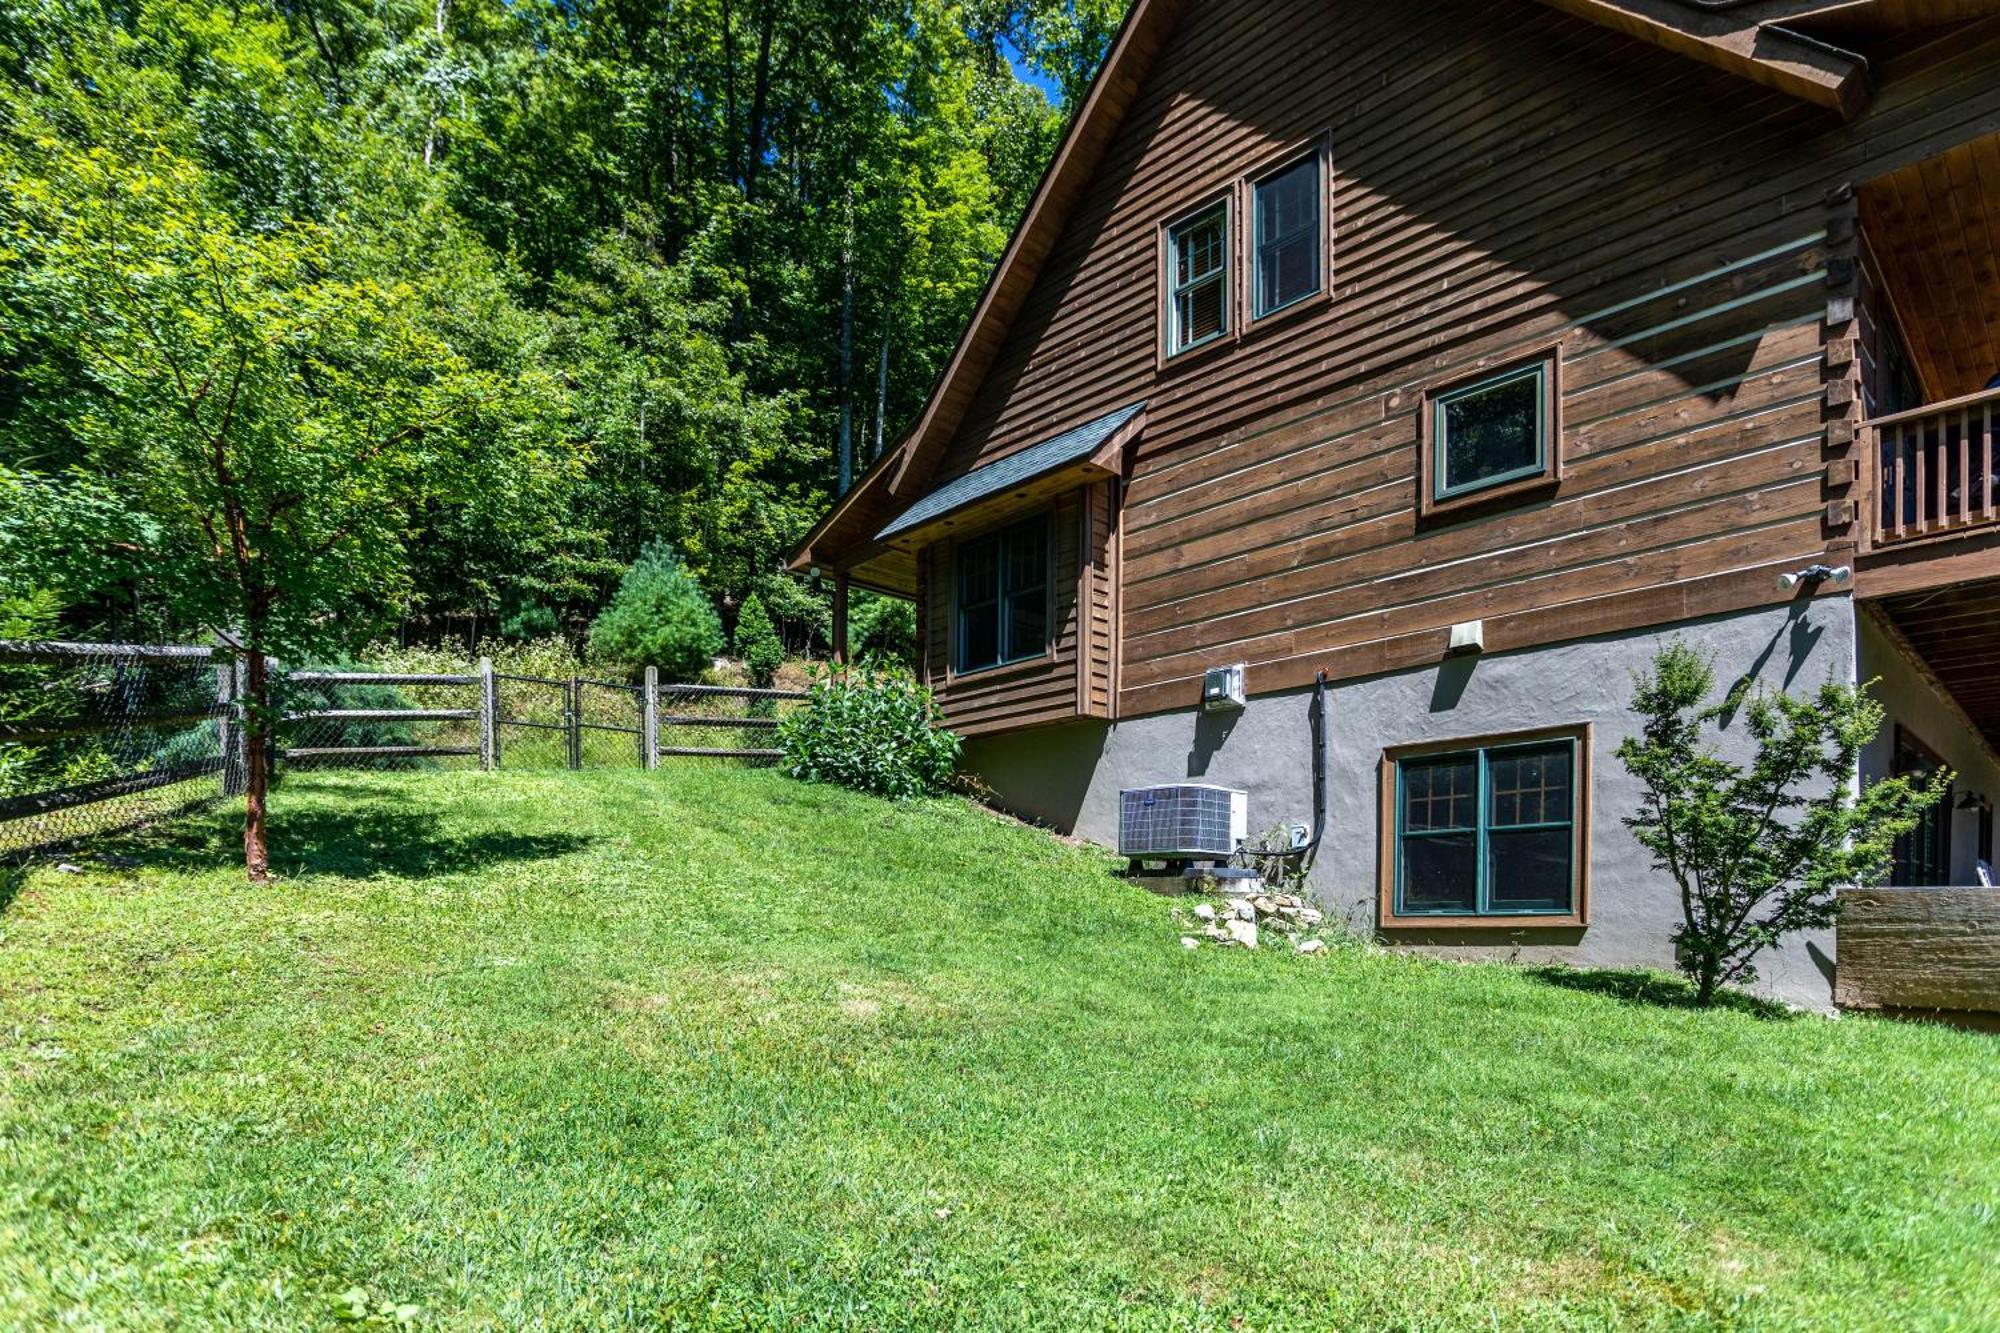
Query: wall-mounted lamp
x=1974, y=800
x=1812, y=576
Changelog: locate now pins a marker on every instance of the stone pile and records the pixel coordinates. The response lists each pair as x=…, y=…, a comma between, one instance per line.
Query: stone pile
x=1240, y=921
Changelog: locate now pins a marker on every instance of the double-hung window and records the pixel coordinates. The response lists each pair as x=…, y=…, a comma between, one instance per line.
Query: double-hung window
x=1198, y=269
x=1494, y=434
x=1287, y=210
x=1003, y=596
x=1489, y=831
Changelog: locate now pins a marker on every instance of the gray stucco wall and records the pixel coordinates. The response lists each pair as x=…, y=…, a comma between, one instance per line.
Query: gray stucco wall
x=1070, y=776
x=1913, y=699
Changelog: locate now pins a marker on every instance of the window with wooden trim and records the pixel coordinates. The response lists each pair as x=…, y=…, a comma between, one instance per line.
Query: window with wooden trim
x=1922, y=857
x=1286, y=219
x=1487, y=831
x=1003, y=593
x=1493, y=435
x=1198, y=279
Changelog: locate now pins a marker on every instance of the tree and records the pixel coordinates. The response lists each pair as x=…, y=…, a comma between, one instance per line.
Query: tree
x=1755, y=853
x=279, y=415
x=659, y=617
x=757, y=642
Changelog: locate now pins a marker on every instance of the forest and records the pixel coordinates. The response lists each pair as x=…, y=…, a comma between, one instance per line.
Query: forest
x=329, y=321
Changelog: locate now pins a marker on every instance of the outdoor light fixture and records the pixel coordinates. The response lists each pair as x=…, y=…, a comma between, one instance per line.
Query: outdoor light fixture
x=1814, y=575
x=1974, y=800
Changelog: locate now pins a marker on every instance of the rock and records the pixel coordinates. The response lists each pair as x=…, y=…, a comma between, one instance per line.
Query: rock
x=1311, y=916
x=1310, y=946
x=65, y=868
x=1242, y=910
x=1190, y=942
x=1264, y=906
x=1203, y=912
x=1243, y=932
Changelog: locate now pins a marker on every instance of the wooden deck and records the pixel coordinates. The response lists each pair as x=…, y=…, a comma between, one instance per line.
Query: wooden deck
x=1919, y=949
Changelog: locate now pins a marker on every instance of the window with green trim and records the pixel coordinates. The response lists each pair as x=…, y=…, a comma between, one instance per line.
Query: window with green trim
x=1003, y=596
x=1286, y=208
x=1490, y=831
x=1198, y=273
x=1490, y=433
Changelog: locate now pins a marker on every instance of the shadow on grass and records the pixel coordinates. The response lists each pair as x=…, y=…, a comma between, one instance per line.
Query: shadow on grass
x=373, y=832
x=12, y=876
x=1636, y=986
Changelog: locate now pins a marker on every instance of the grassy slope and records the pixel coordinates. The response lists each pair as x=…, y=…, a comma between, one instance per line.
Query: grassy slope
x=577, y=1049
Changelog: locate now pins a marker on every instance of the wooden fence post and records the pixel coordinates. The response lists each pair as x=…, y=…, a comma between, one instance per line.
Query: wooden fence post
x=573, y=715
x=649, y=722
x=229, y=724
x=489, y=722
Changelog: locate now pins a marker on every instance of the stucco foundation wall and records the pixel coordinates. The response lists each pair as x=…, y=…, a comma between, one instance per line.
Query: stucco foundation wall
x=1914, y=700
x=1070, y=776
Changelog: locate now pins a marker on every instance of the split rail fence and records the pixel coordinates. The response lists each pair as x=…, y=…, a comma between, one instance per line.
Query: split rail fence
x=97, y=737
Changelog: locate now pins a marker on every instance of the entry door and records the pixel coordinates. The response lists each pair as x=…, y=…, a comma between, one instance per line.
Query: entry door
x=1923, y=855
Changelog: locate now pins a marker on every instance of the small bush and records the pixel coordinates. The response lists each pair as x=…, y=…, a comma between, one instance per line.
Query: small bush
x=757, y=643
x=874, y=731
x=658, y=617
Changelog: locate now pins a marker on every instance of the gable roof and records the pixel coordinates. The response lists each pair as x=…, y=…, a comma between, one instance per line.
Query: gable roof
x=1741, y=36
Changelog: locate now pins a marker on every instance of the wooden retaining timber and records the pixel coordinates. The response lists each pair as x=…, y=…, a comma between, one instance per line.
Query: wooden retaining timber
x=1919, y=949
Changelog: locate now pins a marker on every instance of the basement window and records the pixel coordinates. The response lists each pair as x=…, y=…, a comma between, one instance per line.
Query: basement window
x=1287, y=212
x=1490, y=831
x=1003, y=594
x=1198, y=273
x=1492, y=436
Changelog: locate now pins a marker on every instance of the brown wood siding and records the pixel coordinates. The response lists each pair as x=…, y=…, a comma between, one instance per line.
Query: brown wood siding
x=1504, y=176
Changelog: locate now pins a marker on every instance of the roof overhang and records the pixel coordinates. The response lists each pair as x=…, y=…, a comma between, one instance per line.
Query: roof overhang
x=1748, y=40
x=1083, y=454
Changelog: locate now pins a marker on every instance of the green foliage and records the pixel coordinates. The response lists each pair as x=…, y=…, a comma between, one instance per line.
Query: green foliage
x=659, y=617
x=883, y=629
x=757, y=642
x=1758, y=853
x=873, y=731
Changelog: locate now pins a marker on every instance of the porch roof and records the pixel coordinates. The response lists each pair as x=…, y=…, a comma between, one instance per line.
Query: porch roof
x=1078, y=444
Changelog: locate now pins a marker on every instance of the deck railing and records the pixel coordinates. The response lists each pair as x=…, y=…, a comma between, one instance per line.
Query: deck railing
x=1934, y=468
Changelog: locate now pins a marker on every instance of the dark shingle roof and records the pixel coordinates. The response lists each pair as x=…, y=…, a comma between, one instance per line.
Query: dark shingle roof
x=1079, y=442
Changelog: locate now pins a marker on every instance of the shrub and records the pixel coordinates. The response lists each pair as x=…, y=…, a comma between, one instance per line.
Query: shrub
x=1755, y=856
x=884, y=629
x=658, y=617
x=874, y=731
x=757, y=642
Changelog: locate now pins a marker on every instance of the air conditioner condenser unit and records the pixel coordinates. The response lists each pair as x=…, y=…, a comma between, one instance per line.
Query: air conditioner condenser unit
x=1183, y=821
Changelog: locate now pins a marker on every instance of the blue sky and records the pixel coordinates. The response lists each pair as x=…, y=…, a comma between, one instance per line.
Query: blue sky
x=1028, y=73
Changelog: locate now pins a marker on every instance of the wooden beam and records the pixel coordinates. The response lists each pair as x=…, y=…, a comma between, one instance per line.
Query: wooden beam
x=1728, y=39
x=840, y=619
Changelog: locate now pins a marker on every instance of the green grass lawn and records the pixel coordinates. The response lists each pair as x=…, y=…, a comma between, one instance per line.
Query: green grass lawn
x=709, y=1048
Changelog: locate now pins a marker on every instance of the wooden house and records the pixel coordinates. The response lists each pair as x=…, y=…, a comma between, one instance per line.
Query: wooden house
x=1465, y=352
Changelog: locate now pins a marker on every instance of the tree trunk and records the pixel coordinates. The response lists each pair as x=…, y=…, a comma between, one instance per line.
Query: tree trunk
x=760, y=100
x=881, y=388
x=256, y=765
x=847, y=350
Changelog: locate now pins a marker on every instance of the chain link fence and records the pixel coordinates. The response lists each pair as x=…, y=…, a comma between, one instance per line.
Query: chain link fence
x=97, y=737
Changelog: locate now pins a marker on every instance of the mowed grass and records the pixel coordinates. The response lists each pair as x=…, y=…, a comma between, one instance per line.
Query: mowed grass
x=709, y=1048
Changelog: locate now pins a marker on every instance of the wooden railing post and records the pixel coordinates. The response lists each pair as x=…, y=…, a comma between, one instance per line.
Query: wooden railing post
x=573, y=717
x=649, y=722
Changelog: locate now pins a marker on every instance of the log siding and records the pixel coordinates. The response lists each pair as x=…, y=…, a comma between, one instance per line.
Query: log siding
x=1683, y=245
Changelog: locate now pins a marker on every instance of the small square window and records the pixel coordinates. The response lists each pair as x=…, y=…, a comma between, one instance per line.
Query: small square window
x=1495, y=435
x=1198, y=270
x=1288, y=212
x=1486, y=830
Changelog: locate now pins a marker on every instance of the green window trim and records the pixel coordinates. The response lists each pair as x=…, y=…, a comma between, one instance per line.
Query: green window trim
x=1484, y=826
x=1182, y=292
x=1267, y=248
x=1022, y=577
x=1441, y=486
